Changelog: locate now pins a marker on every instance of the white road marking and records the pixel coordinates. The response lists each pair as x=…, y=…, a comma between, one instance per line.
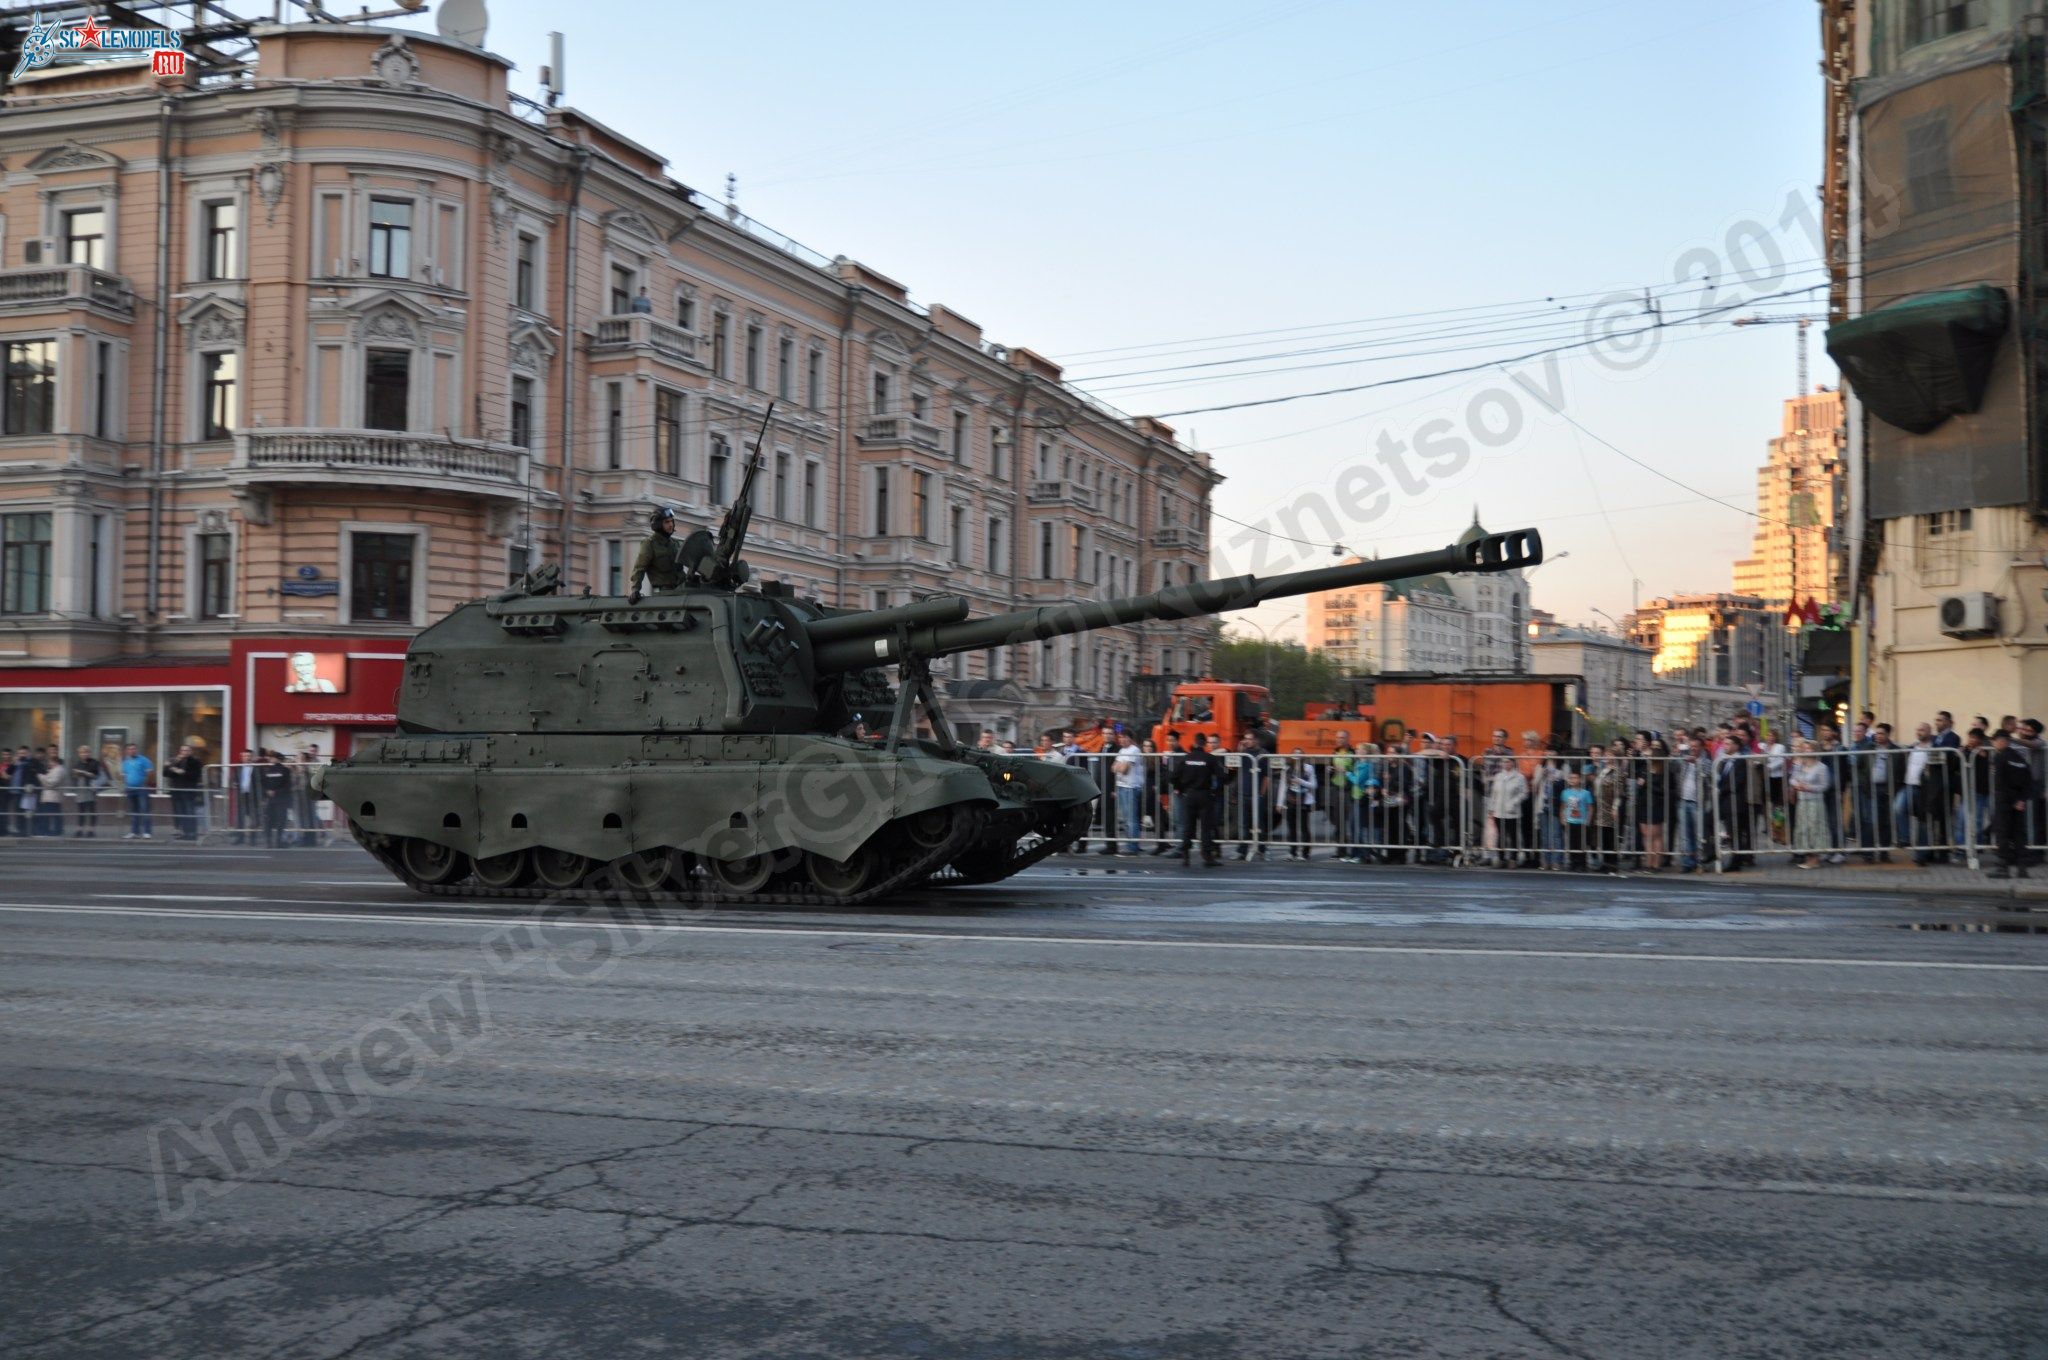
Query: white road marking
x=833, y=932
x=174, y=897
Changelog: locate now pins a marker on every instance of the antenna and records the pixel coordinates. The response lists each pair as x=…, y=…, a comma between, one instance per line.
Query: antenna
x=464, y=21
x=551, y=74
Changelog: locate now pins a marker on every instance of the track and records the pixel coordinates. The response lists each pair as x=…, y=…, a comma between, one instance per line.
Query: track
x=699, y=890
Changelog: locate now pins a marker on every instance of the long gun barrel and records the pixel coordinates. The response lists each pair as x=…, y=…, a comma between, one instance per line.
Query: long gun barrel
x=855, y=641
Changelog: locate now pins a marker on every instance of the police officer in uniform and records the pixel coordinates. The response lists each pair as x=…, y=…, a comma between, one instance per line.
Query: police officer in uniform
x=2012, y=788
x=660, y=562
x=1199, y=781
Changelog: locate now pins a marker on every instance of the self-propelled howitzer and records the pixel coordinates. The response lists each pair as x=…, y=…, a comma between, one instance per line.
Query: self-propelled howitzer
x=715, y=742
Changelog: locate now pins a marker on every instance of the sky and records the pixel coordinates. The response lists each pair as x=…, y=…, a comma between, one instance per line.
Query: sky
x=1302, y=195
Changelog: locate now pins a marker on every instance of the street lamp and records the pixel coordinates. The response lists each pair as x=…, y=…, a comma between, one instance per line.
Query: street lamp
x=1268, y=641
x=1525, y=602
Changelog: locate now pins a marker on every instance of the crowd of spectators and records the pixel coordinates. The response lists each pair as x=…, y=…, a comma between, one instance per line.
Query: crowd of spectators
x=1694, y=799
x=268, y=797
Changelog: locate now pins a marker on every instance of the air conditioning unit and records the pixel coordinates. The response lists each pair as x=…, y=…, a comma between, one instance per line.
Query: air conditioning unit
x=39, y=251
x=1971, y=615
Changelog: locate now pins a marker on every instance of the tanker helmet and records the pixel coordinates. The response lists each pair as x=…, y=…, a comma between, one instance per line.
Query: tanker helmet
x=661, y=514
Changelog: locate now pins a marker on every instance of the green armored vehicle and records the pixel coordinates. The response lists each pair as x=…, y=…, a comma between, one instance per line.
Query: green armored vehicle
x=707, y=742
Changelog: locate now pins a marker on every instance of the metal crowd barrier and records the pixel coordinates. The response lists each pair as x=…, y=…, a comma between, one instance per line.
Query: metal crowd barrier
x=1647, y=812
x=1867, y=804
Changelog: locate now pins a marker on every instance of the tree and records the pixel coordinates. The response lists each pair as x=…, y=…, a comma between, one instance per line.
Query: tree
x=1298, y=676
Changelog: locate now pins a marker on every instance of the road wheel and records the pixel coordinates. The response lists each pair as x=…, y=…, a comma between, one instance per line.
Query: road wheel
x=501, y=873
x=644, y=871
x=560, y=870
x=932, y=828
x=429, y=865
x=740, y=877
x=842, y=878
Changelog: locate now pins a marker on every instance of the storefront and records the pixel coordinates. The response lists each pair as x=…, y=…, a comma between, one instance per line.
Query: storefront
x=297, y=695
x=316, y=695
x=108, y=708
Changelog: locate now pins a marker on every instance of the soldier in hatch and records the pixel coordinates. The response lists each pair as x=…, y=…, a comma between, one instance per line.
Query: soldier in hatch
x=660, y=562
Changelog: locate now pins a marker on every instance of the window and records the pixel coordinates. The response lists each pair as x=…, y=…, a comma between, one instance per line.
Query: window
x=614, y=567
x=1044, y=461
x=883, y=397
x=526, y=271
x=881, y=599
x=785, y=368
x=686, y=312
x=1936, y=19
x=85, y=237
x=1078, y=540
x=1928, y=184
x=622, y=294
x=810, y=495
x=25, y=563
x=390, y=239
x=380, y=577
x=522, y=412
x=782, y=486
x=920, y=406
x=999, y=452
x=921, y=504
x=960, y=437
x=996, y=556
x=721, y=345
x=814, y=379
x=1045, y=551
x=387, y=389
x=218, y=402
x=668, y=432
x=103, y=390
x=754, y=356
x=957, y=532
x=223, y=221
x=518, y=561
x=216, y=575
x=881, y=502
x=96, y=574
x=28, y=390
x=718, y=465
x=615, y=426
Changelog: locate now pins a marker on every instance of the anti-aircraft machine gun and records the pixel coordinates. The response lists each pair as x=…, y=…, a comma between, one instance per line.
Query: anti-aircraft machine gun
x=696, y=744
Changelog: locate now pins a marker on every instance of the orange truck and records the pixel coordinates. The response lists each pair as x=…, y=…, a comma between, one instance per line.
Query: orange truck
x=1399, y=710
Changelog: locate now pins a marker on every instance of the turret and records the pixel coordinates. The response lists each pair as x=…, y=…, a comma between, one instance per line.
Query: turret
x=711, y=659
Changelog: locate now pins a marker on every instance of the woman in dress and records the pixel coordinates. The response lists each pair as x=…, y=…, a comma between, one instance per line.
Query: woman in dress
x=1809, y=779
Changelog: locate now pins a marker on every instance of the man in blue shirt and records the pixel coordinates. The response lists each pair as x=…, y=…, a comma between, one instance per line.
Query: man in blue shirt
x=136, y=769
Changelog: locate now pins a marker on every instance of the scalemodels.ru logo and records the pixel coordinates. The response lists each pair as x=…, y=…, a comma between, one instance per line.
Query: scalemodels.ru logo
x=73, y=40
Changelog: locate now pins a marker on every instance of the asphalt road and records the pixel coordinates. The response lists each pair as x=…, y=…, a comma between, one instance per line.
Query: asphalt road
x=1258, y=1112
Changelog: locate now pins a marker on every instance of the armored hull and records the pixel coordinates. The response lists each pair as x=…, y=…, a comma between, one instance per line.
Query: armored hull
x=712, y=743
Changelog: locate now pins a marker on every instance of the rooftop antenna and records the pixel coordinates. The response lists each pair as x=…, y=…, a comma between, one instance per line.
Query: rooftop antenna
x=551, y=74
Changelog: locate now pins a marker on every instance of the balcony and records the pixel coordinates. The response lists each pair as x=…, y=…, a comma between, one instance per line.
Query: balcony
x=64, y=286
x=901, y=431
x=642, y=332
x=1178, y=536
x=1062, y=493
x=376, y=459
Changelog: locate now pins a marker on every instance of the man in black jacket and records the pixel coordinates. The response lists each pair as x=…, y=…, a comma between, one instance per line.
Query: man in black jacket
x=1199, y=782
x=183, y=777
x=2012, y=788
x=274, y=783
